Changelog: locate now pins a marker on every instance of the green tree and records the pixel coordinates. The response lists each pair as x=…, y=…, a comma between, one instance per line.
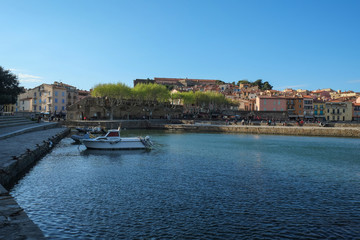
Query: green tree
x=196, y=102
x=258, y=83
x=113, y=95
x=243, y=82
x=267, y=86
x=151, y=96
x=219, y=82
x=9, y=87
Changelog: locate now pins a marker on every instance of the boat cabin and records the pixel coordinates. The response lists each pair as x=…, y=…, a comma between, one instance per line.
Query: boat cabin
x=113, y=134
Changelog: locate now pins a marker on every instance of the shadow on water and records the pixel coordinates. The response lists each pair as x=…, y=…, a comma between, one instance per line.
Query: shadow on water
x=94, y=152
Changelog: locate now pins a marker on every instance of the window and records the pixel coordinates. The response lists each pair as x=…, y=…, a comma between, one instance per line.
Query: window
x=344, y=110
x=338, y=111
x=35, y=101
x=45, y=100
x=333, y=111
x=264, y=109
x=328, y=111
x=56, y=108
x=63, y=94
x=56, y=93
x=39, y=100
x=264, y=101
x=63, y=101
x=45, y=108
x=55, y=100
x=39, y=108
x=63, y=108
x=278, y=102
x=40, y=94
x=274, y=109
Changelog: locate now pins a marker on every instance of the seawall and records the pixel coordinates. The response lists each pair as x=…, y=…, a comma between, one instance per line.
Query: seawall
x=109, y=124
x=273, y=130
x=21, y=149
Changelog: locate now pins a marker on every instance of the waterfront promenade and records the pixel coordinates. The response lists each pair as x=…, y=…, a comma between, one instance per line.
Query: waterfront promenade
x=21, y=147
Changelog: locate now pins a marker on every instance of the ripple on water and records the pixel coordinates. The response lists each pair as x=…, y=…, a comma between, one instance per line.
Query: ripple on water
x=198, y=186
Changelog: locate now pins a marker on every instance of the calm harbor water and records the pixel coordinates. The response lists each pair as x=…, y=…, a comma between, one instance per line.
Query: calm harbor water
x=199, y=186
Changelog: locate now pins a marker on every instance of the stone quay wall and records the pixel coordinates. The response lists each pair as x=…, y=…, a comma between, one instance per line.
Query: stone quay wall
x=273, y=130
x=109, y=124
x=23, y=146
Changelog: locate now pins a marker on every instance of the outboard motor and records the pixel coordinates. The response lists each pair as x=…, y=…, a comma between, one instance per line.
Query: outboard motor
x=148, y=141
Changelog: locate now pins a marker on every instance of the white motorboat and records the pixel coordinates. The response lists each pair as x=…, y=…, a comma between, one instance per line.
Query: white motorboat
x=112, y=140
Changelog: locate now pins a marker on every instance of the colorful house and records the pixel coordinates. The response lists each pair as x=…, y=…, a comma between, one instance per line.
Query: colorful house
x=308, y=107
x=295, y=107
x=356, y=112
x=270, y=103
x=338, y=111
x=319, y=109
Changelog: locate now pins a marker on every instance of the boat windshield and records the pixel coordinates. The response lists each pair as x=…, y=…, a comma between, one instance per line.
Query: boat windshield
x=113, y=134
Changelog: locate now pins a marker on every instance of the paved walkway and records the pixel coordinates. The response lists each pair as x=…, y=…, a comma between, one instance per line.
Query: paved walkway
x=19, y=144
x=16, y=130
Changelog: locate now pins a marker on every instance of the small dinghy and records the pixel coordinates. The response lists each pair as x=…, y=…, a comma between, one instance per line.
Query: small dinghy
x=78, y=138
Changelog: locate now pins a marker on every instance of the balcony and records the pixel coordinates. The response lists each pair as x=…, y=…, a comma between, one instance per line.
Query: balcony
x=290, y=107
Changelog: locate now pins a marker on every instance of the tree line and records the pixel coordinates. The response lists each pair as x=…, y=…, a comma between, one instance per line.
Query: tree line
x=9, y=87
x=157, y=93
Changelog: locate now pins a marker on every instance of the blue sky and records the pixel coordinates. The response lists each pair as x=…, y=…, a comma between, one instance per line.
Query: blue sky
x=300, y=44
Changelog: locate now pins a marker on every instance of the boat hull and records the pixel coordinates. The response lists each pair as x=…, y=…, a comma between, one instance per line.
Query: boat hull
x=124, y=143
